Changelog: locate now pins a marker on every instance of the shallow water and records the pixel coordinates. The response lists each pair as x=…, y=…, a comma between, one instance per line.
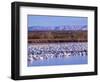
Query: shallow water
x=60, y=61
x=69, y=60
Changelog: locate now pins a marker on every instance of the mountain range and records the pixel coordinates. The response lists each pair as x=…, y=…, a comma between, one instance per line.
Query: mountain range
x=58, y=28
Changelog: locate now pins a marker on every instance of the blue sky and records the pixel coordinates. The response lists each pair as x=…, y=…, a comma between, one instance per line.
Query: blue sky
x=52, y=21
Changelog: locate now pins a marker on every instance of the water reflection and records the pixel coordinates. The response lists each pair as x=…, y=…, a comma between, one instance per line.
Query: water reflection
x=57, y=54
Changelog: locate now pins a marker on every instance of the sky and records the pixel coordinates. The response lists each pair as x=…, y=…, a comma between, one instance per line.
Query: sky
x=40, y=21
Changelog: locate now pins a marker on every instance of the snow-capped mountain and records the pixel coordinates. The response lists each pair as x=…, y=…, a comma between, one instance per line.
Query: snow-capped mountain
x=64, y=27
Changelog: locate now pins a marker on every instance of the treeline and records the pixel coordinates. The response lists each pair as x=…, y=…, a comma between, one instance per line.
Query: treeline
x=57, y=36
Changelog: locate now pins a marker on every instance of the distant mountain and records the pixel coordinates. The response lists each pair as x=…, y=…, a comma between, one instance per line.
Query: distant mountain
x=64, y=27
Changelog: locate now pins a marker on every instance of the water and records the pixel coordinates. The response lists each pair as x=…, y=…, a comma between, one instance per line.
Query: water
x=59, y=59
x=73, y=60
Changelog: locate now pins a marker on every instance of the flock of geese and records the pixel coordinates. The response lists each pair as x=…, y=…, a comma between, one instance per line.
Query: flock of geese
x=43, y=52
